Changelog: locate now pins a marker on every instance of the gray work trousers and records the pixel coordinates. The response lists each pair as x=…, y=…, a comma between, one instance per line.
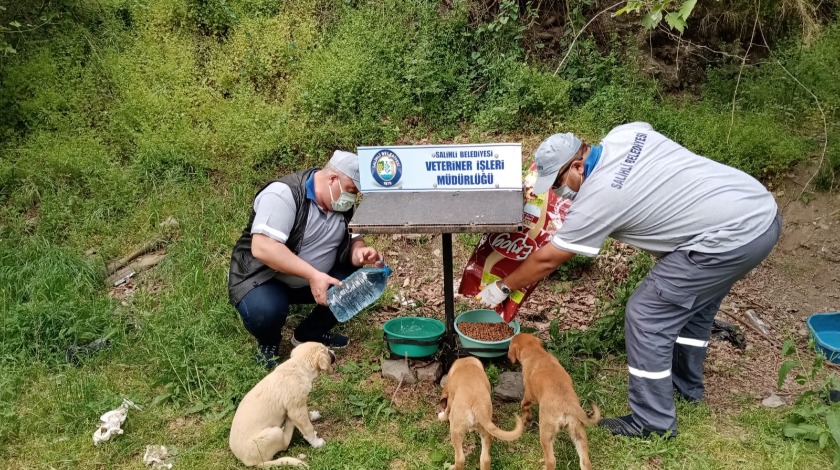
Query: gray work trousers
x=668, y=323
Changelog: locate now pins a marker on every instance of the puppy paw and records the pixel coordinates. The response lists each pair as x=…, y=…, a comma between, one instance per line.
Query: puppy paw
x=442, y=416
x=317, y=442
x=314, y=415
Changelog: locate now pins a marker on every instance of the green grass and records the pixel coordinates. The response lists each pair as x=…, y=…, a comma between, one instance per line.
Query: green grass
x=118, y=114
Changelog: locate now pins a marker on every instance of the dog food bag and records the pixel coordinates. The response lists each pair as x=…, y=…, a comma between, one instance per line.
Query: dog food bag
x=499, y=254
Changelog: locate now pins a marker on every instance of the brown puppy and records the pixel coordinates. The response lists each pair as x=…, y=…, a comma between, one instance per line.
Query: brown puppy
x=465, y=402
x=270, y=412
x=548, y=385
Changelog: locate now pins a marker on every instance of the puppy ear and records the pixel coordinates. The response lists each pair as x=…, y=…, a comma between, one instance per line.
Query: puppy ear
x=324, y=360
x=513, y=352
x=443, y=403
x=444, y=394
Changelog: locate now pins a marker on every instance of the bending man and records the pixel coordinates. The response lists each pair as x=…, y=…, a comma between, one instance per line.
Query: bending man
x=709, y=225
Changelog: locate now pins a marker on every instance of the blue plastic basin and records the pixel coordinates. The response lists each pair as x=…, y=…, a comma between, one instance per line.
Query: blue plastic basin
x=825, y=327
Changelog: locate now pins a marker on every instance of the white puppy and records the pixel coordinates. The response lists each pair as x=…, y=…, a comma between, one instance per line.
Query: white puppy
x=270, y=412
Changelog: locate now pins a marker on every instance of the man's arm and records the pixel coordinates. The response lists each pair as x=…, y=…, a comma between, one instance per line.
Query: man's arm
x=361, y=254
x=280, y=258
x=537, y=266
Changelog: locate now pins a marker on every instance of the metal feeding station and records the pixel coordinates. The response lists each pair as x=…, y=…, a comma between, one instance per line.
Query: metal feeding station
x=441, y=189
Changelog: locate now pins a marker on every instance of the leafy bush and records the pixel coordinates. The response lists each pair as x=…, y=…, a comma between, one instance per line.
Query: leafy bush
x=771, y=92
x=215, y=17
x=382, y=65
x=396, y=65
x=587, y=70
x=606, y=335
x=612, y=105
x=262, y=53
x=757, y=144
x=816, y=412
x=523, y=95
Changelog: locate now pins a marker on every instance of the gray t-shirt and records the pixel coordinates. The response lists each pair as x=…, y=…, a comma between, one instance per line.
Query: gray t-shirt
x=275, y=217
x=650, y=192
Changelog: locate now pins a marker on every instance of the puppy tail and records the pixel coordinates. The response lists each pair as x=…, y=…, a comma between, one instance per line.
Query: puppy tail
x=287, y=461
x=596, y=415
x=512, y=435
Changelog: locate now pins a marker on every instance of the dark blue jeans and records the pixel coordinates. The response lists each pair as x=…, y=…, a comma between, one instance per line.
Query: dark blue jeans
x=265, y=308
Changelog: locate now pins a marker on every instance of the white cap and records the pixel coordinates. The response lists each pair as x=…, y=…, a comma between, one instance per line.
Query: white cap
x=347, y=163
x=552, y=154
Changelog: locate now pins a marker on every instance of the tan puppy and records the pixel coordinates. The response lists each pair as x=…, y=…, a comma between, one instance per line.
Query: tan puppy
x=465, y=402
x=270, y=412
x=548, y=384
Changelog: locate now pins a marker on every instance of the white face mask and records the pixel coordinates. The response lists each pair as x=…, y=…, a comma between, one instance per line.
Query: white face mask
x=565, y=192
x=345, y=200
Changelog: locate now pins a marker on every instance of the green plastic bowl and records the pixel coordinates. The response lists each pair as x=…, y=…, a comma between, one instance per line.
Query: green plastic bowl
x=473, y=345
x=414, y=328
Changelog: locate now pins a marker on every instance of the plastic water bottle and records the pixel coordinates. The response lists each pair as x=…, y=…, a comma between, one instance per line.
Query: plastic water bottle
x=357, y=291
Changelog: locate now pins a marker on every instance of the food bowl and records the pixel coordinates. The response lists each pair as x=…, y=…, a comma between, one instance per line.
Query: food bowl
x=413, y=336
x=475, y=346
x=825, y=327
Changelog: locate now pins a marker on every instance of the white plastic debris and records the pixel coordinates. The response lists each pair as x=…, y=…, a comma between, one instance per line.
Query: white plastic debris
x=773, y=401
x=757, y=322
x=157, y=457
x=112, y=422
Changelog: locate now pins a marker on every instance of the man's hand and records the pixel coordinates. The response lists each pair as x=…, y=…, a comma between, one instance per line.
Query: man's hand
x=319, y=283
x=363, y=255
x=491, y=295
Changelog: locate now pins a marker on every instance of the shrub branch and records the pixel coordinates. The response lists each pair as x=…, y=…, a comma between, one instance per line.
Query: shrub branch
x=741, y=71
x=822, y=113
x=572, y=45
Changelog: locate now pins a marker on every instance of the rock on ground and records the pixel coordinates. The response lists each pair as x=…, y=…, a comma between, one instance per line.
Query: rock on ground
x=510, y=387
x=398, y=371
x=430, y=372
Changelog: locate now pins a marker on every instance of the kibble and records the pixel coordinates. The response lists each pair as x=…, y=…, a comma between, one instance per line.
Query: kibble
x=486, y=331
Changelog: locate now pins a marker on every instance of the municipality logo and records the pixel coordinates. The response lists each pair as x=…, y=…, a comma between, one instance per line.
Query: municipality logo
x=386, y=168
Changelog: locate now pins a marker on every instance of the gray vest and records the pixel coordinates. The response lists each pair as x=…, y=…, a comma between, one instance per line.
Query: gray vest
x=247, y=272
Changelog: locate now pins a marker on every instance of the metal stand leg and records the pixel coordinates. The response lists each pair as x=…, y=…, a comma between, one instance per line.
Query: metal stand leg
x=449, y=348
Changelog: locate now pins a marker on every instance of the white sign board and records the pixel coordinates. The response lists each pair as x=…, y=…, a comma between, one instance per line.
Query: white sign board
x=441, y=167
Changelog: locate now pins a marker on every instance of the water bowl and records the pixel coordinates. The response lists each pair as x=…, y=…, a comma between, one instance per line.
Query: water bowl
x=475, y=346
x=825, y=327
x=413, y=336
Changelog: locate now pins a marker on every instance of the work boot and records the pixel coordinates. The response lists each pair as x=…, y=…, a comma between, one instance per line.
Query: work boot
x=330, y=340
x=678, y=395
x=268, y=355
x=627, y=426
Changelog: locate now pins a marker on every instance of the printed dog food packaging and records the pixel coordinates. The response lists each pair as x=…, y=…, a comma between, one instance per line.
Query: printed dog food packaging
x=499, y=254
